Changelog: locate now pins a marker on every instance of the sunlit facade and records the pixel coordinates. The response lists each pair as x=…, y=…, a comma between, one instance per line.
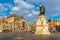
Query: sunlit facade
x=13, y=23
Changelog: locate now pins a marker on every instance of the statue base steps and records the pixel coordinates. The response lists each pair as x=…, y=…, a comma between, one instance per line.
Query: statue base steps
x=42, y=31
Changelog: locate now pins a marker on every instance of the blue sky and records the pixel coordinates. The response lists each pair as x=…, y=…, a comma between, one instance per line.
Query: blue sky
x=29, y=9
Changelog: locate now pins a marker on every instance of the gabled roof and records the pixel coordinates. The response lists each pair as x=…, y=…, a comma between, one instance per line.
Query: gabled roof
x=13, y=15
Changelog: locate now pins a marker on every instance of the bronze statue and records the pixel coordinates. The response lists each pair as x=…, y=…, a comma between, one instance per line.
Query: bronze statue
x=42, y=10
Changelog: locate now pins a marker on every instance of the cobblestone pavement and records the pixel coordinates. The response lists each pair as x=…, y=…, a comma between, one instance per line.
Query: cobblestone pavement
x=7, y=35
x=24, y=36
x=31, y=36
x=28, y=36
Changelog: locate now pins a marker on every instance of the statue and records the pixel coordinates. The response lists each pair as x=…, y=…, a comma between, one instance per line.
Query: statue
x=41, y=24
x=42, y=10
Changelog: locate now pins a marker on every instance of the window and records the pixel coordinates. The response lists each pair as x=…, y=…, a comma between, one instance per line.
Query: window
x=16, y=19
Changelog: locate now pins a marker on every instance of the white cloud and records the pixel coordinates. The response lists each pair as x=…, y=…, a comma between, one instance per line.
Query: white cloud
x=24, y=9
x=11, y=13
x=29, y=15
x=57, y=8
x=5, y=16
x=1, y=5
x=2, y=8
x=15, y=8
x=34, y=1
x=23, y=4
x=35, y=12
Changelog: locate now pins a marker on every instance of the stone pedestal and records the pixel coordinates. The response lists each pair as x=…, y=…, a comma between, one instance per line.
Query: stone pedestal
x=42, y=31
x=42, y=26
